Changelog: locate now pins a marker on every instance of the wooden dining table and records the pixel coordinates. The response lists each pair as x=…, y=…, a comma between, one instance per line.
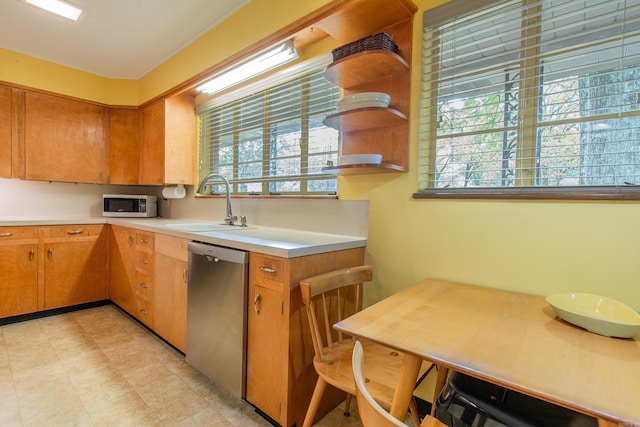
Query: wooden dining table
x=510, y=339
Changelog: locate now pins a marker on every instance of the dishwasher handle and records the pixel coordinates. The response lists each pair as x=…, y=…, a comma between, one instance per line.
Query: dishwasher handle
x=235, y=256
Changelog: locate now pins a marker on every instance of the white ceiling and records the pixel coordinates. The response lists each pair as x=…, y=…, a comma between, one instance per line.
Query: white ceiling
x=113, y=38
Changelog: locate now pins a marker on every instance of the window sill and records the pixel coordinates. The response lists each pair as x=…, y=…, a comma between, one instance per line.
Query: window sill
x=623, y=192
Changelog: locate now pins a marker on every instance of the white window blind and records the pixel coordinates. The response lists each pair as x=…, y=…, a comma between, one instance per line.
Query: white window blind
x=540, y=94
x=273, y=142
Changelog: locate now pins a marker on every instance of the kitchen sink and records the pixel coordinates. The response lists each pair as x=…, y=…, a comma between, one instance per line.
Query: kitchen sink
x=205, y=226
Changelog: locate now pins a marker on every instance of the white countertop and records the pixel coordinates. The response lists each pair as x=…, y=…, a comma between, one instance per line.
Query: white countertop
x=282, y=242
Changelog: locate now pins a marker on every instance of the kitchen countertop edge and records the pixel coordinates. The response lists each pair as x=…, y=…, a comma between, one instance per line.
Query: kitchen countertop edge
x=326, y=242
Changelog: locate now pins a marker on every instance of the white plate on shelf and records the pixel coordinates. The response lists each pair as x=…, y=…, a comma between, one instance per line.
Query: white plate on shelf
x=357, y=159
x=363, y=100
x=597, y=314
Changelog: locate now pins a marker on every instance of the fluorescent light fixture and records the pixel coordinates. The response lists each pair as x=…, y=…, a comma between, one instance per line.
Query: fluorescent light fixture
x=263, y=62
x=58, y=7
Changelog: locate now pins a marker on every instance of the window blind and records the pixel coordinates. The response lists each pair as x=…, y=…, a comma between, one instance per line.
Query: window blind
x=532, y=93
x=273, y=142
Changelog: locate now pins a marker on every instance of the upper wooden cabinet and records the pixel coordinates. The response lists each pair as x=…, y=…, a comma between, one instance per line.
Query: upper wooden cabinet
x=167, y=141
x=124, y=146
x=5, y=132
x=64, y=140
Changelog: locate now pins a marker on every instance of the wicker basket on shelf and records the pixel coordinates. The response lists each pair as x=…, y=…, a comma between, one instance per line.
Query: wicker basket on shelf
x=378, y=41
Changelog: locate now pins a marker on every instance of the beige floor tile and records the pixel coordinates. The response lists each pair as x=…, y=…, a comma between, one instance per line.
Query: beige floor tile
x=99, y=367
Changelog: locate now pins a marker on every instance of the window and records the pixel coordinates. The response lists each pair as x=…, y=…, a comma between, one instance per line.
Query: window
x=272, y=142
x=537, y=97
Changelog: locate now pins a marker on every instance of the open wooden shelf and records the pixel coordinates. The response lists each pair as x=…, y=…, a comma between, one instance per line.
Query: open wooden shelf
x=364, y=119
x=363, y=67
x=363, y=169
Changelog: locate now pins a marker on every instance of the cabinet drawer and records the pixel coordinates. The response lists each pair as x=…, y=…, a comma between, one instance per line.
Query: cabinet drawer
x=144, y=285
x=71, y=231
x=267, y=271
x=144, y=261
x=145, y=241
x=144, y=311
x=8, y=234
x=174, y=247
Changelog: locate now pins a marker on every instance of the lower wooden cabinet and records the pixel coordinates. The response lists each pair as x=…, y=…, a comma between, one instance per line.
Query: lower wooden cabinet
x=18, y=270
x=73, y=267
x=170, y=292
x=121, y=266
x=280, y=373
x=143, y=308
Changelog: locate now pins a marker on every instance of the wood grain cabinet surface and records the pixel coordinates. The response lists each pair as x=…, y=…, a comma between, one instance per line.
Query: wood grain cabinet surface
x=5, y=132
x=170, y=292
x=122, y=274
x=18, y=270
x=167, y=141
x=64, y=140
x=124, y=146
x=280, y=374
x=143, y=308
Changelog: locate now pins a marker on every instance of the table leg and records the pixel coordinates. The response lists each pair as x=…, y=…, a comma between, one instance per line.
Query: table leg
x=440, y=380
x=405, y=386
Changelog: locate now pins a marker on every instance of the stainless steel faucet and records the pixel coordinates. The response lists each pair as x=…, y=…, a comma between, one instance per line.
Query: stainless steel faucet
x=229, y=219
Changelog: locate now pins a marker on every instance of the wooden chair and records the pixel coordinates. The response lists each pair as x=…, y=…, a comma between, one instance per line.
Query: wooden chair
x=371, y=413
x=329, y=298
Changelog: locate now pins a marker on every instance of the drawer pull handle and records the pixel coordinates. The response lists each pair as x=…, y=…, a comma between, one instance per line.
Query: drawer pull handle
x=74, y=232
x=32, y=253
x=267, y=269
x=144, y=241
x=144, y=312
x=185, y=275
x=143, y=285
x=49, y=253
x=6, y=234
x=130, y=240
x=256, y=301
x=143, y=261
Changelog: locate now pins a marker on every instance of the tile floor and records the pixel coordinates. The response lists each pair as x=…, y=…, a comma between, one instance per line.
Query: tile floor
x=98, y=367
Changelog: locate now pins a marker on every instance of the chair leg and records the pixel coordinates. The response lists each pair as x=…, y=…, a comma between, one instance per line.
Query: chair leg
x=318, y=391
x=413, y=409
x=347, y=404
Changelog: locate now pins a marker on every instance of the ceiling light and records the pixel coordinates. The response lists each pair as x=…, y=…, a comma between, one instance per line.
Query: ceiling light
x=263, y=62
x=58, y=7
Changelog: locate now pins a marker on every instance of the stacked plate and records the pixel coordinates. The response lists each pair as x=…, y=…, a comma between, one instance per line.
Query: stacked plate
x=357, y=159
x=363, y=100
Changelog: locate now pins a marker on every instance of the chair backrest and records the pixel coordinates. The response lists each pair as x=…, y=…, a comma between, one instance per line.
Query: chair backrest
x=371, y=413
x=330, y=298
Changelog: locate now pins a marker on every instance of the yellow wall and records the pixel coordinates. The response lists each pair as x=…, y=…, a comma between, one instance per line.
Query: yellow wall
x=533, y=247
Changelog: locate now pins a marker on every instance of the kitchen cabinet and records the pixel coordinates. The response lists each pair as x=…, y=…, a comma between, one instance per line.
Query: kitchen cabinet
x=124, y=146
x=122, y=273
x=5, y=132
x=64, y=139
x=280, y=373
x=18, y=270
x=170, y=291
x=73, y=268
x=167, y=141
x=373, y=130
x=144, y=280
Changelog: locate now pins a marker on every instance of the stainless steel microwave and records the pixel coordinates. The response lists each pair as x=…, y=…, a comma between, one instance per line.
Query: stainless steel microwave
x=125, y=205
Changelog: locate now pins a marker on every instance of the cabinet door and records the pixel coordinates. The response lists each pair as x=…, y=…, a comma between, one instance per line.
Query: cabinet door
x=74, y=265
x=265, y=357
x=124, y=146
x=152, y=119
x=121, y=267
x=5, y=132
x=18, y=271
x=64, y=139
x=170, y=300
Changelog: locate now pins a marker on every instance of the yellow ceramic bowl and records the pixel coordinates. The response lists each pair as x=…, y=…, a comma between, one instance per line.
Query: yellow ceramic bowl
x=597, y=314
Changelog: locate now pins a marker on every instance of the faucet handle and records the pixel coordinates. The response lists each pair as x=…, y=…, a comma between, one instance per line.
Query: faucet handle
x=230, y=220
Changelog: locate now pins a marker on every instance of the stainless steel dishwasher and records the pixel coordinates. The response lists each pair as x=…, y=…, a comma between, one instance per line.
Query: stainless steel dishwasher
x=217, y=314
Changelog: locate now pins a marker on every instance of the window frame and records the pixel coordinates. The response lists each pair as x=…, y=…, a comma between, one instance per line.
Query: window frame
x=429, y=106
x=263, y=87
